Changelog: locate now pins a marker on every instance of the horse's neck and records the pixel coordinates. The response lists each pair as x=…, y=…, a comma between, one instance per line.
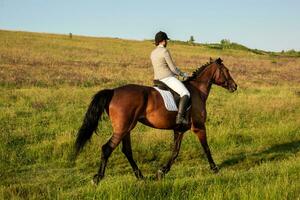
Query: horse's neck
x=203, y=89
x=203, y=83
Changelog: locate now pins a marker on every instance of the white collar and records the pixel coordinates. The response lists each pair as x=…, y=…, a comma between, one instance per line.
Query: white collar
x=160, y=45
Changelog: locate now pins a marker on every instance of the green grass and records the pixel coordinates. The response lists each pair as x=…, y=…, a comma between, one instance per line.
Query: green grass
x=254, y=134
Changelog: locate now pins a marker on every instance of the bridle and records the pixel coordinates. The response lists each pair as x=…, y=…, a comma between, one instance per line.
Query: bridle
x=221, y=67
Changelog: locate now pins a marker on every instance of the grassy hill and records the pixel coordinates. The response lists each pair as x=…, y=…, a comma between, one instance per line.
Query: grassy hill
x=47, y=81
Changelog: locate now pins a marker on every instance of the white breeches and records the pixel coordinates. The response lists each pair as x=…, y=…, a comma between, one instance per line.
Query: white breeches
x=176, y=85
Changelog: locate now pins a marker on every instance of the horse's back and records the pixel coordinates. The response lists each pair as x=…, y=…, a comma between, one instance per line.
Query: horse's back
x=132, y=87
x=129, y=98
x=132, y=92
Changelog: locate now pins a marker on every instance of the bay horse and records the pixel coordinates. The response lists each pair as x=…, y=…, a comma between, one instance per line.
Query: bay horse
x=129, y=104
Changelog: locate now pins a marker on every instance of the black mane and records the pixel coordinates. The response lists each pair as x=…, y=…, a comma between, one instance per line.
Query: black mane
x=198, y=71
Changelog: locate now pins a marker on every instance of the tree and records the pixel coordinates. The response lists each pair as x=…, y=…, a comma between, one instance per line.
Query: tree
x=225, y=43
x=191, y=40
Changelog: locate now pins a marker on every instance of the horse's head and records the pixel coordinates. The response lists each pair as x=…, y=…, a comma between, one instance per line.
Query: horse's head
x=222, y=76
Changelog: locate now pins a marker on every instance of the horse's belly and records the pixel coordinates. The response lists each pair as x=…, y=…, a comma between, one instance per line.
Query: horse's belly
x=160, y=120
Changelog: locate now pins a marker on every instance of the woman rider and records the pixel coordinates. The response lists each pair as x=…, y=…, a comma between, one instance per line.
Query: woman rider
x=165, y=71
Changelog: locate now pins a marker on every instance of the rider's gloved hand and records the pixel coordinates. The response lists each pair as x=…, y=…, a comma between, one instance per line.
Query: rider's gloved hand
x=184, y=75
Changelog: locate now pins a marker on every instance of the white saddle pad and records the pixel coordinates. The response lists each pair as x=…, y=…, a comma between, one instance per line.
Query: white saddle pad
x=168, y=99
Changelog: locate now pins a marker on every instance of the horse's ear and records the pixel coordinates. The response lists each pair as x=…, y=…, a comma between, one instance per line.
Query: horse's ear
x=211, y=60
x=219, y=60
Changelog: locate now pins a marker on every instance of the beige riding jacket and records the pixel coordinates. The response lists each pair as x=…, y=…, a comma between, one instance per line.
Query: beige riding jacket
x=163, y=64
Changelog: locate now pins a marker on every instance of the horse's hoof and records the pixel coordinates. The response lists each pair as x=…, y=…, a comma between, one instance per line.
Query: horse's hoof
x=139, y=175
x=160, y=175
x=93, y=182
x=215, y=169
x=95, y=179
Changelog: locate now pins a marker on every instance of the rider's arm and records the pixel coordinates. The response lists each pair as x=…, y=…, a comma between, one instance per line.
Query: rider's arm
x=171, y=64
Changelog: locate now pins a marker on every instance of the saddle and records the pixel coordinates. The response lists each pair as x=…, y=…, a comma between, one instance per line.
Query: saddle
x=163, y=86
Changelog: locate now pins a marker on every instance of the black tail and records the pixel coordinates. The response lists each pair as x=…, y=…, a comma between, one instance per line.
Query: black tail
x=92, y=116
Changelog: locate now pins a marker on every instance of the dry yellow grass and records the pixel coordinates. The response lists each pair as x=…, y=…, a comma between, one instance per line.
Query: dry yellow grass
x=51, y=60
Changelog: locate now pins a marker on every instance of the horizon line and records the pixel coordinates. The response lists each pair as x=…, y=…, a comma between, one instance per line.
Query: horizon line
x=135, y=39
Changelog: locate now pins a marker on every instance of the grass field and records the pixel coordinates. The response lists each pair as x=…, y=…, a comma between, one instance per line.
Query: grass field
x=46, y=84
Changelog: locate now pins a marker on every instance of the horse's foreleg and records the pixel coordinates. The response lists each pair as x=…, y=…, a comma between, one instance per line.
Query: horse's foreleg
x=107, y=149
x=177, y=142
x=201, y=134
x=126, y=149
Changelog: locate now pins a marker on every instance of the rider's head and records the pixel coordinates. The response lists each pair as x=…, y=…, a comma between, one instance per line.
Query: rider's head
x=161, y=38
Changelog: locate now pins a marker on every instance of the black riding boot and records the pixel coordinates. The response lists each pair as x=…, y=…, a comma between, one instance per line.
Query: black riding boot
x=183, y=104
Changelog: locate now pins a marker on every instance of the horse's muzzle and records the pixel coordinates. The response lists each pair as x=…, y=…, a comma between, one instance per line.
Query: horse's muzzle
x=232, y=87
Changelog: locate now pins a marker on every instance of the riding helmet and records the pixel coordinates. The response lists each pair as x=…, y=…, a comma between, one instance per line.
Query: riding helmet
x=160, y=36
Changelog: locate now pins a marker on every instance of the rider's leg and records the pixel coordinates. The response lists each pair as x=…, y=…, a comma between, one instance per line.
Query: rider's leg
x=183, y=104
x=180, y=89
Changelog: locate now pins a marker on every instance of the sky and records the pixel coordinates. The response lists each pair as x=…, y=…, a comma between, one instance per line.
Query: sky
x=271, y=25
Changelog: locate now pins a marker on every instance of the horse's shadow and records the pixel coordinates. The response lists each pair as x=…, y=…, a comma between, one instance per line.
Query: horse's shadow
x=273, y=153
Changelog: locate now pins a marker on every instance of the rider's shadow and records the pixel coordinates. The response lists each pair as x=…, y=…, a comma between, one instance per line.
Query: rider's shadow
x=273, y=153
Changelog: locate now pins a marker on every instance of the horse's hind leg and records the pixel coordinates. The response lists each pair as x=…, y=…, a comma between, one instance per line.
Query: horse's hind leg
x=122, y=122
x=107, y=149
x=177, y=142
x=126, y=149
